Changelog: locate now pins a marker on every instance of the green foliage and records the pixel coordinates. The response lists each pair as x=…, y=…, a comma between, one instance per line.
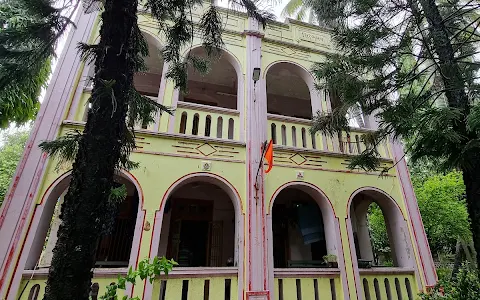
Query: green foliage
x=174, y=21
x=465, y=287
x=378, y=230
x=146, y=270
x=418, y=80
x=64, y=149
x=441, y=201
x=412, y=67
x=118, y=194
x=11, y=149
x=28, y=34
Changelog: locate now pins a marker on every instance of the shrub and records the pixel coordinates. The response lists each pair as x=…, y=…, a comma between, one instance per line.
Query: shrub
x=465, y=287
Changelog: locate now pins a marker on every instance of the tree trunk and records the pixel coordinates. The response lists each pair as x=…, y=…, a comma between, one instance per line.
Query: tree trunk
x=471, y=178
x=457, y=98
x=458, y=259
x=86, y=209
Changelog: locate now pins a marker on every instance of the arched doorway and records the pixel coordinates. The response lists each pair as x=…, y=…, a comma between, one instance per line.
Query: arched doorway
x=374, y=209
x=298, y=231
x=113, y=249
x=287, y=91
x=218, y=87
x=148, y=82
x=212, y=106
x=200, y=225
x=303, y=227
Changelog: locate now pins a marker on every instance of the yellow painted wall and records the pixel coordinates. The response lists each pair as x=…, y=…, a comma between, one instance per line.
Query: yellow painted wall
x=161, y=164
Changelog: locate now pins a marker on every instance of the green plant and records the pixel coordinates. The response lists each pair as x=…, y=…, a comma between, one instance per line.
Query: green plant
x=414, y=76
x=329, y=258
x=465, y=287
x=444, y=273
x=11, y=149
x=146, y=270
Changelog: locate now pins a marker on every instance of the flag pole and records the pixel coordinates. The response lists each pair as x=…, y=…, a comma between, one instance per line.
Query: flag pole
x=264, y=148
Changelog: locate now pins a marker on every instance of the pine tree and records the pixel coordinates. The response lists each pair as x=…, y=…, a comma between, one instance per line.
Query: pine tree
x=108, y=137
x=24, y=58
x=411, y=65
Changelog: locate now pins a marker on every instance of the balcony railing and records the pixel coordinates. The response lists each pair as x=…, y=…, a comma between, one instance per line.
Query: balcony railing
x=307, y=283
x=32, y=286
x=295, y=133
x=192, y=119
x=197, y=283
x=389, y=283
x=207, y=121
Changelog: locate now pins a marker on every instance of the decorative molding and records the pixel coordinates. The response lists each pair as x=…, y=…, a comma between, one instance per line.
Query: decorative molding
x=306, y=272
x=207, y=108
x=206, y=150
x=171, y=135
x=274, y=117
x=188, y=156
x=387, y=271
x=314, y=38
x=295, y=46
x=254, y=33
x=97, y=273
x=288, y=119
x=297, y=159
x=189, y=272
x=321, y=152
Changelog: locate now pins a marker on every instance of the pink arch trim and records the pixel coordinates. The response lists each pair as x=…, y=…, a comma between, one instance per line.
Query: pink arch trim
x=371, y=188
x=179, y=182
x=123, y=173
x=305, y=74
x=298, y=183
x=232, y=58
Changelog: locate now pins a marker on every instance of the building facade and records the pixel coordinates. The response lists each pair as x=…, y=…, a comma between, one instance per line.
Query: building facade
x=201, y=196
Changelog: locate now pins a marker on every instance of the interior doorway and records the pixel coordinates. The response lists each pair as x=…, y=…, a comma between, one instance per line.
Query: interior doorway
x=198, y=228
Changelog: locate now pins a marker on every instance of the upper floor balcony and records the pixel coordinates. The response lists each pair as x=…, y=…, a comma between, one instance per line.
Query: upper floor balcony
x=215, y=106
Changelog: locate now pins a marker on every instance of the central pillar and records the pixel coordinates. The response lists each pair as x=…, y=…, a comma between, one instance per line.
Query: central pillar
x=256, y=126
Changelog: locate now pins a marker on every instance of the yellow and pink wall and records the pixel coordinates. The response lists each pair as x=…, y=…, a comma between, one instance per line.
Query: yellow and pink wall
x=170, y=159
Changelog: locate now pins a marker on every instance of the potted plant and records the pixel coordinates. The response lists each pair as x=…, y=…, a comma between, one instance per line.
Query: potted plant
x=331, y=260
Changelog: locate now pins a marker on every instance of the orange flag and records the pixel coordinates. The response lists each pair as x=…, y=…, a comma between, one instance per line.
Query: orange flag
x=269, y=156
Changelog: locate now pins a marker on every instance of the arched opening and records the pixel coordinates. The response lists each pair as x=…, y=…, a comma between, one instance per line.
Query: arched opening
x=354, y=114
x=287, y=91
x=113, y=250
x=199, y=226
x=380, y=233
x=303, y=229
x=148, y=82
x=218, y=87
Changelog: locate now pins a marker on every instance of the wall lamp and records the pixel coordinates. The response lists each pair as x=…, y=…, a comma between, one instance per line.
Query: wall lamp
x=256, y=74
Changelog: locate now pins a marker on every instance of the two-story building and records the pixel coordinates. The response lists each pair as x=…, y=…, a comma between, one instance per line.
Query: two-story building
x=200, y=195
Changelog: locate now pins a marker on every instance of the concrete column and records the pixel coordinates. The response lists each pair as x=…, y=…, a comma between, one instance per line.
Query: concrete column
x=256, y=126
x=19, y=203
x=363, y=236
x=47, y=253
x=420, y=242
x=161, y=94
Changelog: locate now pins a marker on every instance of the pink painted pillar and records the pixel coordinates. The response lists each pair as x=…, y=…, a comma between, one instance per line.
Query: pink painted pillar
x=19, y=204
x=420, y=238
x=256, y=124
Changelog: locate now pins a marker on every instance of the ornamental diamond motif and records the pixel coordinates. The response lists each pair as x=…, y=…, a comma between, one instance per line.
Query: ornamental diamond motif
x=288, y=51
x=298, y=159
x=206, y=149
